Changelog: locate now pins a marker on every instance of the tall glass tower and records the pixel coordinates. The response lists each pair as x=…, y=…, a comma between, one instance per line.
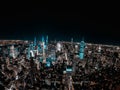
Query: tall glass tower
x=43, y=44
x=47, y=40
x=82, y=47
x=34, y=41
x=43, y=40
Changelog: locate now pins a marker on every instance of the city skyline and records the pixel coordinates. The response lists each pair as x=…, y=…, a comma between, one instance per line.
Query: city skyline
x=58, y=25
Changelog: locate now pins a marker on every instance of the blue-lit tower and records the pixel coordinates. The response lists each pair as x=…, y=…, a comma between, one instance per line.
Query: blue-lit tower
x=47, y=40
x=43, y=41
x=43, y=49
x=39, y=47
x=82, y=47
x=34, y=41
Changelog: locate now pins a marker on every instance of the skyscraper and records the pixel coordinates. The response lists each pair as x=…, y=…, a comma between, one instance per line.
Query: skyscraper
x=34, y=41
x=47, y=40
x=12, y=51
x=43, y=44
x=43, y=40
x=28, y=53
x=82, y=47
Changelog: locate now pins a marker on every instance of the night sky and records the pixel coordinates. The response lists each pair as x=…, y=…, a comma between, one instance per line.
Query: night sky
x=25, y=23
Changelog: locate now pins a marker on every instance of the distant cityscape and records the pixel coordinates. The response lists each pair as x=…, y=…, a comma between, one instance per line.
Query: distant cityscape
x=58, y=65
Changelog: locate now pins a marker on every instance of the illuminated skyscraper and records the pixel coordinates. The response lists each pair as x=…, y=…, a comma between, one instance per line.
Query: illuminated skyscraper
x=28, y=55
x=46, y=40
x=99, y=49
x=59, y=46
x=43, y=44
x=32, y=53
x=12, y=51
x=31, y=50
x=43, y=40
x=31, y=46
x=34, y=41
x=39, y=47
x=82, y=47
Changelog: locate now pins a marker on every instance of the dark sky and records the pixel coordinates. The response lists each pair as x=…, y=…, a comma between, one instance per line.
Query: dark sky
x=25, y=23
